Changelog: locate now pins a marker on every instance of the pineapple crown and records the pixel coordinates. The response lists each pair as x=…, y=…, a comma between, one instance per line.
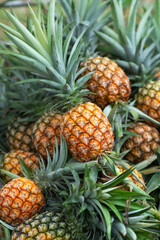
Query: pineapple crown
x=131, y=43
x=101, y=206
x=50, y=54
x=92, y=14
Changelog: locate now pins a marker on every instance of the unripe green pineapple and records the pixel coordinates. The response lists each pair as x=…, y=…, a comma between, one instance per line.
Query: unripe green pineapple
x=48, y=225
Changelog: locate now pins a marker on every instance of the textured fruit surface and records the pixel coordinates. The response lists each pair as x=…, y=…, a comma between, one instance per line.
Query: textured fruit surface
x=45, y=133
x=20, y=199
x=130, y=177
x=19, y=136
x=11, y=162
x=48, y=226
x=148, y=99
x=108, y=83
x=87, y=131
x=143, y=146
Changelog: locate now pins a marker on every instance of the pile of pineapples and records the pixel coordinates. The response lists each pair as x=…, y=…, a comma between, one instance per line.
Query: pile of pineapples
x=79, y=120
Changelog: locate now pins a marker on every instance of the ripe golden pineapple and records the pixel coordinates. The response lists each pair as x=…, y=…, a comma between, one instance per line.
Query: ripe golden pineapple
x=87, y=131
x=19, y=136
x=131, y=177
x=108, y=83
x=20, y=199
x=143, y=146
x=48, y=225
x=45, y=133
x=148, y=99
x=11, y=163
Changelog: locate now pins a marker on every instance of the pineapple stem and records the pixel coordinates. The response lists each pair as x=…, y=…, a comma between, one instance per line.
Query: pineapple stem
x=79, y=167
x=153, y=211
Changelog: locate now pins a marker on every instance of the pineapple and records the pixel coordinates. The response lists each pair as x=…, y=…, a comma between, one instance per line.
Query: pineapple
x=67, y=88
x=11, y=163
x=108, y=175
x=148, y=99
x=108, y=83
x=143, y=145
x=87, y=131
x=19, y=135
x=46, y=132
x=20, y=199
x=48, y=225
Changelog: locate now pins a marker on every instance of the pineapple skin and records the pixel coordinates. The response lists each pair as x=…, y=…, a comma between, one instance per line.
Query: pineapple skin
x=87, y=131
x=48, y=226
x=108, y=83
x=19, y=136
x=45, y=133
x=148, y=99
x=143, y=146
x=20, y=199
x=130, y=177
x=11, y=162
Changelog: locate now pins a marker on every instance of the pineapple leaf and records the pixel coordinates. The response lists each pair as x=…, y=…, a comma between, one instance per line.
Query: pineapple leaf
x=30, y=39
x=142, y=24
x=56, y=75
x=113, y=208
x=7, y=225
x=117, y=49
x=75, y=51
x=136, y=219
x=131, y=234
x=118, y=18
x=120, y=227
x=111, y=33
x=134, y=110
x=27, y=172
x=67, y=7
x=11, y=175
x=81, y=81
x=51, y=22
x=40, y=34
x=12, y=31
x=146, y=162
x=154, y=183
x=132, y=21
x=36, y=65
x=108, y=221
x=139, y=211
x=29, y=51
x=67, y=44
x=120, y=194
